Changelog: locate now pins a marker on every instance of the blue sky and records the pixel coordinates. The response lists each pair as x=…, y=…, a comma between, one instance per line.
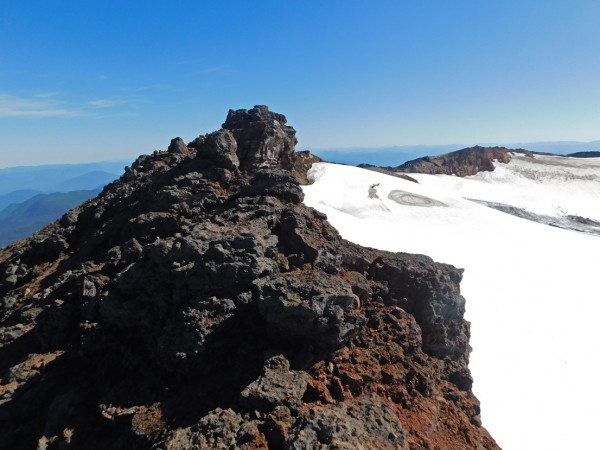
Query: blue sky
x=84, y=81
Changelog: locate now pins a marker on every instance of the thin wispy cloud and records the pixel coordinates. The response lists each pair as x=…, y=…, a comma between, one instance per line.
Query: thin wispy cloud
x=46, y=94
x=48, y=105
x=121, y=114
x=14, y=106
x=105, y=102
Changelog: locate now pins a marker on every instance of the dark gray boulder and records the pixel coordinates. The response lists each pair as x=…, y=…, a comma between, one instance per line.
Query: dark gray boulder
x=221, y=148
x=278, y=386
x=322, y=311
x=177, y=145
x=364, y=424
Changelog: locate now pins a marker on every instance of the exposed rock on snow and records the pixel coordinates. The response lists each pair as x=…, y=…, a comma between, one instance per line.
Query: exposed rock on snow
x=592, y=154
x=412, y=199
x=568, y=222
x=468, y=161
x=302, y=164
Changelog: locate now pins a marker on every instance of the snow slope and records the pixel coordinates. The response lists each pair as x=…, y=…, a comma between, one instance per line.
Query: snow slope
x=531, y=289
x=552, y=186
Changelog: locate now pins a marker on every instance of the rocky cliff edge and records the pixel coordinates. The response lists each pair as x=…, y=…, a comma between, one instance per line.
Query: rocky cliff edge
x=198, y=303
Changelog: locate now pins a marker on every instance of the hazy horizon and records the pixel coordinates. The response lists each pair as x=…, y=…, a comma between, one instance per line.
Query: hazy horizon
x=374, y=155
x=92, y=81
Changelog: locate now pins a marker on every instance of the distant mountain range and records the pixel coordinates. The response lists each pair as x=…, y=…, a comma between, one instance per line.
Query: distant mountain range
x=32, y=197
x=19, y=220
x=59, y=177
x=18, y=196
x=381, y=156
x=397, y=155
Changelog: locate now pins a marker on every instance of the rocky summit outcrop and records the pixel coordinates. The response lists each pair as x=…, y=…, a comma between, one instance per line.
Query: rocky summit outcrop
x=304, y=161
x=198, y=303
x=465, y=162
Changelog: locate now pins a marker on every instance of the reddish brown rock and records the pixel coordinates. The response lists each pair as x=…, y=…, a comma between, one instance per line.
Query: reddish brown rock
x=302, y=164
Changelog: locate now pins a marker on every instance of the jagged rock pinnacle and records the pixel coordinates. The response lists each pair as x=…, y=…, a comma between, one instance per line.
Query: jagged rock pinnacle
x=251, y=140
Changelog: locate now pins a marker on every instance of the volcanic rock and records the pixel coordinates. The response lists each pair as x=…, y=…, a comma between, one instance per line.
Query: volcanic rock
x=197, y=303
x=588, y=154
x=264, y=139
x=302, y=164
x=177, y=146
x=465, y=162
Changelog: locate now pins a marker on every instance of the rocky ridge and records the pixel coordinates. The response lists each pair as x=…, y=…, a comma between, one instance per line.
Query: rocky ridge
x=198, y=303
x=465, y=162
x=589, y=154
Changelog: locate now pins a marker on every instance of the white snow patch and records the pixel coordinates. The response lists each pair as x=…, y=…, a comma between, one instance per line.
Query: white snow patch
x=531, y=289
x=550, y=185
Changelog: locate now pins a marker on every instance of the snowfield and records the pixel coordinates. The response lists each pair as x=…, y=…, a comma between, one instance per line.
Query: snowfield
x=531, y=289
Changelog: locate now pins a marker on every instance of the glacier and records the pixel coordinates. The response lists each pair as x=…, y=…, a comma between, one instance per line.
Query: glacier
x=531, y=288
